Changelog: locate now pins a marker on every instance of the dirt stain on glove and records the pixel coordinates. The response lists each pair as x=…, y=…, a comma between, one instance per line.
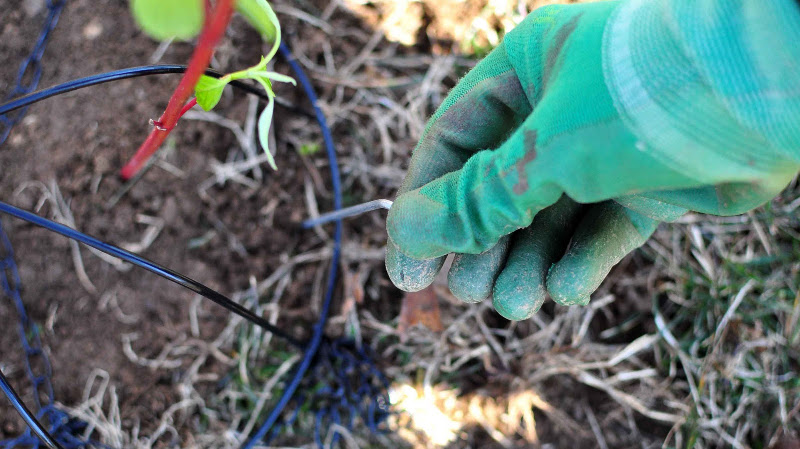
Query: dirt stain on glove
x=530, y=154
x=551, y=65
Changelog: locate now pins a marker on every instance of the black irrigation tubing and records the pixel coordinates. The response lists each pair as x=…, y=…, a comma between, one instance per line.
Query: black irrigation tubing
x=116, y=75
x=26, y=414
x=164, y=272
x=152, y=267
x=310, y=349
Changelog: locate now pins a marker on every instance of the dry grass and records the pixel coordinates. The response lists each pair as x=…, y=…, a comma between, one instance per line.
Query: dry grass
x=692, y=342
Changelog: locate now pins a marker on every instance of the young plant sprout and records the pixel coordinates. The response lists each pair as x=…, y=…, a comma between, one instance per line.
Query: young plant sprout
x=209, y=90
x=183, y=19
x=329, y=367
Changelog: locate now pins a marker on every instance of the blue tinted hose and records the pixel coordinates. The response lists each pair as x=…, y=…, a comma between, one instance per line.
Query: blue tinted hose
x=26, y=414
x=313, y=346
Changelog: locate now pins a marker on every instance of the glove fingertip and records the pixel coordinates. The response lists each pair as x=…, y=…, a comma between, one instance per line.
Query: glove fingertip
x=411, y=275
x=471, y=278
x=572, y=287
x=517, y=304
x=470, y=293
x=607, y=233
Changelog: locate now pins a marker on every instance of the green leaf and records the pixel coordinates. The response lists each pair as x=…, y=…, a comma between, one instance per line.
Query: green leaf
x=275, y=76
x=209, y=90
x=308, y=149
x=267, y=85
x=262, y=65
x=168, y=19
x=261, y=17
x=264, y=122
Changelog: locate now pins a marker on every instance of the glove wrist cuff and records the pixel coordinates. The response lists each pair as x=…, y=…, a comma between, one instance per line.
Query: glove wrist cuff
x=709, y=86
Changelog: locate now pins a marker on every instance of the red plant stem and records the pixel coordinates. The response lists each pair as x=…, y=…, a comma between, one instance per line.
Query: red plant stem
x=188, y=106
x=192, y=103
x=213, y=30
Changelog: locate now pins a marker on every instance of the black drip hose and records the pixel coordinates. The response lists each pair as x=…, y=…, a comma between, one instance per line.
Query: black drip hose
x=116, y=75
x=26, y=414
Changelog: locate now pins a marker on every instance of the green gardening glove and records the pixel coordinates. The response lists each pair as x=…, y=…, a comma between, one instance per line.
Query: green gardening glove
x=563, y=149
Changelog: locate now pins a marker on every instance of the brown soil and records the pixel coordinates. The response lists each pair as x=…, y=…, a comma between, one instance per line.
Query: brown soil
x=80, y=140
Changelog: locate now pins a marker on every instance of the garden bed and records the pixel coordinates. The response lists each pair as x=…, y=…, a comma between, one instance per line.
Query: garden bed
x=196, y=211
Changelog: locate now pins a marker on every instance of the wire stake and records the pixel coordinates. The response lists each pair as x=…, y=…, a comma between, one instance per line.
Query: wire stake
x=351, y=211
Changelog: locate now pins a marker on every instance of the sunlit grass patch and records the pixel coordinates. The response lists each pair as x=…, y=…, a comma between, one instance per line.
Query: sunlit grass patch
x=728, y=310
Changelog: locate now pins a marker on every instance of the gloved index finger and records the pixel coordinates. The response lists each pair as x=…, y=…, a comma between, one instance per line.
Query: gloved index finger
x=480, y=112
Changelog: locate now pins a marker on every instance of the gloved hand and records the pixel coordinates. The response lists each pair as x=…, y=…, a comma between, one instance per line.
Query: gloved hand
x=564, y=148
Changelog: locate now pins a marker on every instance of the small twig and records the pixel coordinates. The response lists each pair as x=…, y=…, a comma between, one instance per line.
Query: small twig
x=266, y=393
x=732, y=309
x=159, y=53
x=598, y=432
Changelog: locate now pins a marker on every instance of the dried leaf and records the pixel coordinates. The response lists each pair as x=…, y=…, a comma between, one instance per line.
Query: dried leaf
x=420, y=307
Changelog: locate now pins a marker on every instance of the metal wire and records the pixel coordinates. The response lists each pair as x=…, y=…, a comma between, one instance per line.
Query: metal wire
x=62, y=428
x=351, y=211
x=37, y=363
x=26, y=414
x=30, y=71
x=341, y=361
x=370, y=403
x=352, y=386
